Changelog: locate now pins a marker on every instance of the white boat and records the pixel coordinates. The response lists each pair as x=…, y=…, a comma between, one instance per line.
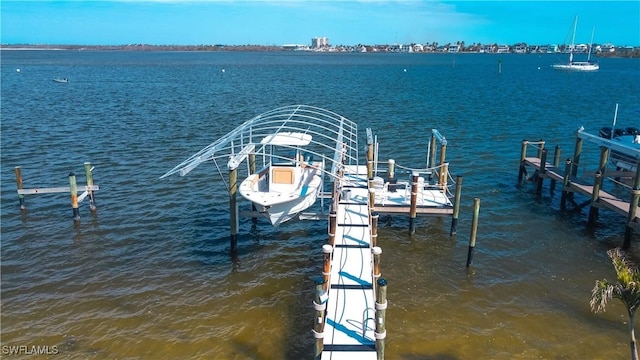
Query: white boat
x=623, y=158
x=288, y=152
x=65, y=80
x=290, y=182
x=623, y=144
x=573, y=65
x=625, y=152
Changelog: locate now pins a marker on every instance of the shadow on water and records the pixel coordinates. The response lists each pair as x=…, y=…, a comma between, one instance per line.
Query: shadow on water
x=246, y=350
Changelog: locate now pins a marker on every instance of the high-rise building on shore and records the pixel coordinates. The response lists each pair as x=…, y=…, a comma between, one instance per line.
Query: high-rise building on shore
x=319, y=42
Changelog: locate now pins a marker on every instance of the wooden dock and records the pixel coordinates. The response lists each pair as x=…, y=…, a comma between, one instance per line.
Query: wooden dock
x=592, y=187
x=605, y=200
x=350, y=315
x=352, y=320
x=431, y=200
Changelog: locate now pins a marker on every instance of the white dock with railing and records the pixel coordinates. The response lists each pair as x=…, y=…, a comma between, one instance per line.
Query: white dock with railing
x=350, y=326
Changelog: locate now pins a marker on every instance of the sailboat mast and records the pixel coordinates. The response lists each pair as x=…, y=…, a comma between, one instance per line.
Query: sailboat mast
x=593, y=30
x=573, y=39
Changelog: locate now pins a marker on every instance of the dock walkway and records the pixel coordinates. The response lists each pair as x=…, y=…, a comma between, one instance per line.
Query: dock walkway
x=350, y=323
x=350, y=317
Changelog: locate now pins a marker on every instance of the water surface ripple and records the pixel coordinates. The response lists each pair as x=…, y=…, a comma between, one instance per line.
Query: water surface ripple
x=149, y=276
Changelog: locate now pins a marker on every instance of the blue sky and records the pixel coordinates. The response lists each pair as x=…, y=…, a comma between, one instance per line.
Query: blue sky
x=266, y=22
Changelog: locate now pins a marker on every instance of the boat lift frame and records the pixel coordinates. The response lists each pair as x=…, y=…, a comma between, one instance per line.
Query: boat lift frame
x=334, y=141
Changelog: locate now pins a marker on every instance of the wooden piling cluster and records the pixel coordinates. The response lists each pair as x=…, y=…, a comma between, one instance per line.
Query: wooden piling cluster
x=87, y=191
x=572, y=184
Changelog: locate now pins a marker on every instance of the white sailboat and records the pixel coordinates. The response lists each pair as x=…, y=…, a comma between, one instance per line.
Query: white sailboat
x=578, y=65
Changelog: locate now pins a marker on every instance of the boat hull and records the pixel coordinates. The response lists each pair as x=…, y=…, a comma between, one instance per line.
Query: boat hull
x=623, y=157
x=576, y=67
x=283, y=205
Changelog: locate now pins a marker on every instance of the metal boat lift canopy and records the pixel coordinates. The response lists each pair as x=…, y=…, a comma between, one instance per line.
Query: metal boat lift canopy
x=329, y=137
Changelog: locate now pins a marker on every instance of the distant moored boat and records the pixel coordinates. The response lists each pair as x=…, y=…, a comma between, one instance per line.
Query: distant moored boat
x=578, y=65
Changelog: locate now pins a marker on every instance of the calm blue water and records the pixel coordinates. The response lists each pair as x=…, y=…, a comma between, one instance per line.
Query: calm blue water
x=149, y=275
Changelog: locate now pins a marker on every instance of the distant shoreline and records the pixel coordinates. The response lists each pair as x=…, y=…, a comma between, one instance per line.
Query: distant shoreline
x=624, y=53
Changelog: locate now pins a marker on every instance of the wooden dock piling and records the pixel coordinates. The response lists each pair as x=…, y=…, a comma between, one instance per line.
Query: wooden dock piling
x=20, y=184
x=443, y=151
x=333, y=221
x=88, y=170
x=541, y=144
x=431, y=154
x=633, y=209
x=474, y=231
x=633, y=212
x=320, y=306
x=523, y=154
x=381, y=316
x=566, y=193
x=456, y=206
x=543, y=169
x=374, y=228
x=414, y=203
x=444, y=175
x=377, y=251
x=576, y=156
x=74, y=196
x=595, y=196
x=556, y=162
x=372, y=200
x=233, y=211
x=391, y=170
x=327, y=250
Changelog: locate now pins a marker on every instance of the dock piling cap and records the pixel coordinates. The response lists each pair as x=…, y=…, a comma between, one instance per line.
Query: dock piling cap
x=327, y=249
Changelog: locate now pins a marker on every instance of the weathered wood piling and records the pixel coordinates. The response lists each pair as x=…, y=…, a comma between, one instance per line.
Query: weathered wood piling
x=474, y=231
